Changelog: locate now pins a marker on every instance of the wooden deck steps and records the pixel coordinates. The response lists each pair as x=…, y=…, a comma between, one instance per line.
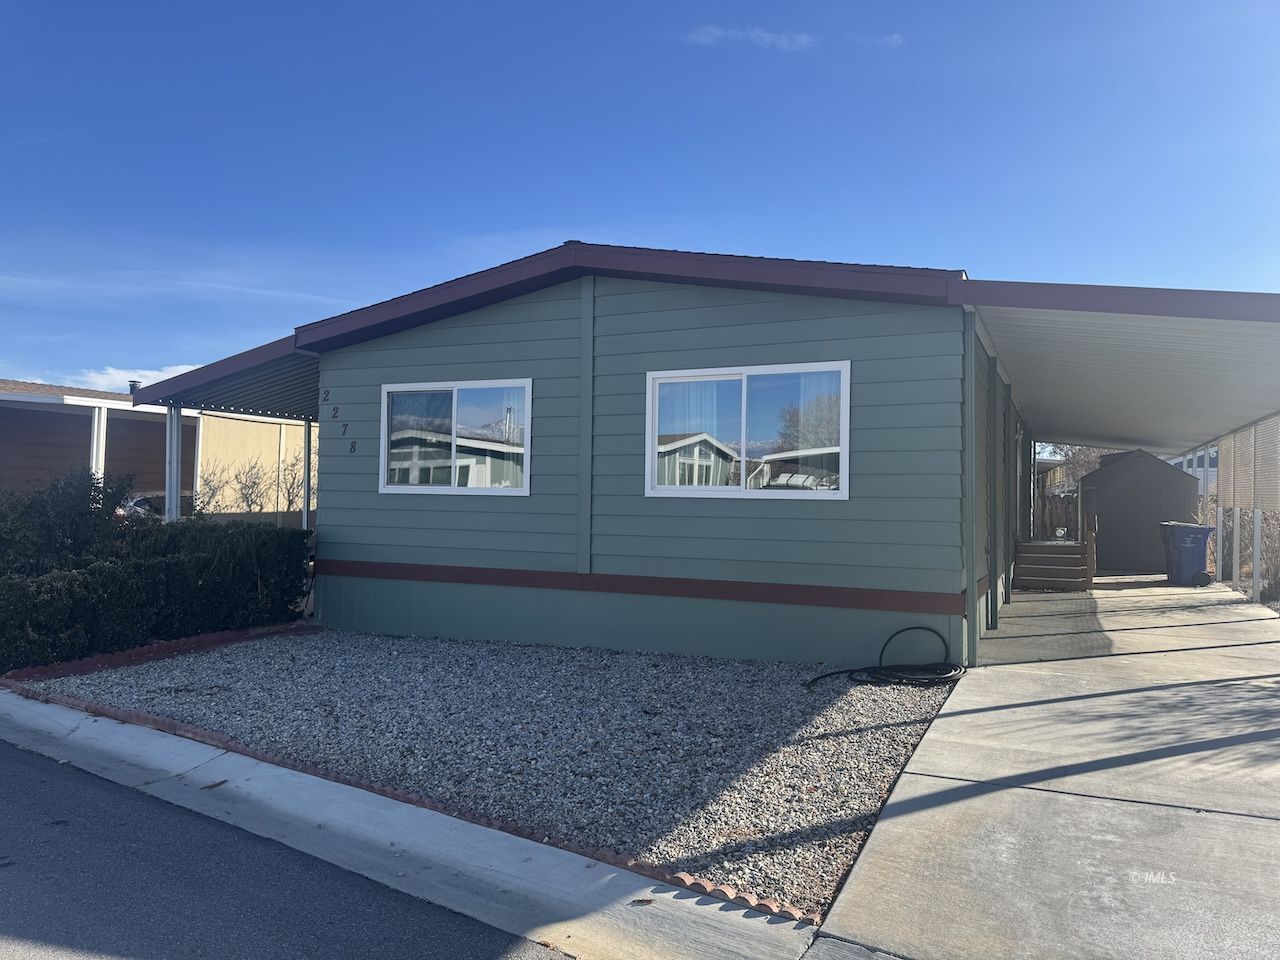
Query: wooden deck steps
x=1052, y=565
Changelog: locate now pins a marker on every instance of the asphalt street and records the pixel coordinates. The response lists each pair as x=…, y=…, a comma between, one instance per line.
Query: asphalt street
x=91, y=869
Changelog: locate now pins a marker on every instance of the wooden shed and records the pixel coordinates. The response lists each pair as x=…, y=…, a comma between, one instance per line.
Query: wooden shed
x=1132, y=492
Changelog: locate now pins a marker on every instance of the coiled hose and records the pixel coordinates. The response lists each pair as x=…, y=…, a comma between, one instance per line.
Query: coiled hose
x=917, y=674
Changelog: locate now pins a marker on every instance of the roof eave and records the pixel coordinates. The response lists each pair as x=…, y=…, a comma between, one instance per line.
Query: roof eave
x=1135, y=301
x=571, y=260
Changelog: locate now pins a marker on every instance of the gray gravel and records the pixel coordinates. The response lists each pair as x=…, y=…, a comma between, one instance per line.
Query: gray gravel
x=730, y=770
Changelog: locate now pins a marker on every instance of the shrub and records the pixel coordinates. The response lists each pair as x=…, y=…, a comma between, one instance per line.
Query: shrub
x=63, y=524
x=263, y=567
x=117, y=604
x=76, y=580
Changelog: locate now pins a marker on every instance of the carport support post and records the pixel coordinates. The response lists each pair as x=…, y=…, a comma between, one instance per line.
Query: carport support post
x=1257, y=521
x=1204, y=491
x=1217, y=548
x=172, y=463
x=1257, y=551
x=98, y=442
x=969, y=487
x=1235, y=544
x=306, y=474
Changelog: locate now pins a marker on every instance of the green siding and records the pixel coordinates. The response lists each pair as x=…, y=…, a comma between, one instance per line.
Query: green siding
x=531, y=336
x=904, y=439
x=588, y=346
x=982, y=484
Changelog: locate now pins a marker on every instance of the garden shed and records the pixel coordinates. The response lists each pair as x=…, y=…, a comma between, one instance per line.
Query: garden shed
x=1131, y=493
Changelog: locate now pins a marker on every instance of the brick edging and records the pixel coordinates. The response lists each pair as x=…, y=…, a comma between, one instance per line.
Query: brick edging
x=160, y=650
x=688, y=881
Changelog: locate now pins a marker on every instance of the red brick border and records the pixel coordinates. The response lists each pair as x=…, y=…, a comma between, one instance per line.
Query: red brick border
x=13, y=681
x=160, y=650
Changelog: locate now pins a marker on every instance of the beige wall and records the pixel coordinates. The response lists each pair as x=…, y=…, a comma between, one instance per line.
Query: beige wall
x=230, y=447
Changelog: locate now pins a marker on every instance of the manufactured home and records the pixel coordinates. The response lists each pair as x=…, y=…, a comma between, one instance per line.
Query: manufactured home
x=723, y=455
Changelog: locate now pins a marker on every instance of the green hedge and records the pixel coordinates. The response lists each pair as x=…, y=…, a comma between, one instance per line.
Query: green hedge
x=76, y=581
x=117, y=604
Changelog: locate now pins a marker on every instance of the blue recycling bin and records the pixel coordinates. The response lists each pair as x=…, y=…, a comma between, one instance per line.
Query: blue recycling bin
x=1186, y=547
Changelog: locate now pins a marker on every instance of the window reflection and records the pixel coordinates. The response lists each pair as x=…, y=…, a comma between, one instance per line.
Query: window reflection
x=491, y=441
x=420, y=433
x=699, y=433
x=793, y=431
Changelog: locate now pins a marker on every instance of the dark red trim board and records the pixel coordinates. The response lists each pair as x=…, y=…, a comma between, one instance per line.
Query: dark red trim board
x=850, y=598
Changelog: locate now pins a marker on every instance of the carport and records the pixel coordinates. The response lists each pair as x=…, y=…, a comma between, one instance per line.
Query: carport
x=1106, y=784
x=1170, y=371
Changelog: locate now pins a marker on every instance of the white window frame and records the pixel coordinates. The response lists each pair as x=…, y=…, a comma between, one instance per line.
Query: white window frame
x=454, y=386
x=741, y=492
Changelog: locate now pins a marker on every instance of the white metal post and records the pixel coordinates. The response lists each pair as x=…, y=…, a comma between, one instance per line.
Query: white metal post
x=195, y=469
x=173, y=464
x=1257, y=552
x=306, y=474
x=1235, y=547
x=98, y=442
x=1217, y=548
x=1204, y=491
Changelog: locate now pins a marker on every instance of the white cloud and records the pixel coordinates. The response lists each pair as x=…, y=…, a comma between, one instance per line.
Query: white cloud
x=117, y=378
x=127, y=285
x=713, y=36
x=891, y=40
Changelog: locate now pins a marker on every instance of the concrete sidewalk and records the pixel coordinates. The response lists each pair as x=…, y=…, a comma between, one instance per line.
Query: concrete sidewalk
x=1123, y=806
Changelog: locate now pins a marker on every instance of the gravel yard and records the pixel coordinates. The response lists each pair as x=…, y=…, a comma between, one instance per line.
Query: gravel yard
x=730, y=770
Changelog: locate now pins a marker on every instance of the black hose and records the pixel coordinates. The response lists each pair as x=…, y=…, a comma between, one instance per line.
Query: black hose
x=917, y=674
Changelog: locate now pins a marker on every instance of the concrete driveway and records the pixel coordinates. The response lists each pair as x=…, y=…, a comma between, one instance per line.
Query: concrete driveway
x=1124, y=803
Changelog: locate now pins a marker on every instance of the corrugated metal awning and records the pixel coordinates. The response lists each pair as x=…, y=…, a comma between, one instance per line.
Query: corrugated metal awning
x=273, y=380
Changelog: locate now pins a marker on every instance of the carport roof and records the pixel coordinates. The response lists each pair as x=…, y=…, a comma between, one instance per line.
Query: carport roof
x=1165, y=369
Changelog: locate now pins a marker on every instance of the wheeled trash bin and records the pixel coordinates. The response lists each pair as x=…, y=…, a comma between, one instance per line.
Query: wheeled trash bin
x=1186, y=547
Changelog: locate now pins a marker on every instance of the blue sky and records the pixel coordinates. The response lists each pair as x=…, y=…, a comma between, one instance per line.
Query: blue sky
x=179, y=182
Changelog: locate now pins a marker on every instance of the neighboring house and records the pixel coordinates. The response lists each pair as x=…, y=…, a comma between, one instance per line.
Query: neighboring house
x=48, y=429
x=696, y=460
x=1193, y=463
x=423, y=457
x=1052, y=474
x=736, y=456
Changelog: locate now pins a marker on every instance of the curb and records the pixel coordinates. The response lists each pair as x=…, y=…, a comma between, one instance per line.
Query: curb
x=578, y=905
